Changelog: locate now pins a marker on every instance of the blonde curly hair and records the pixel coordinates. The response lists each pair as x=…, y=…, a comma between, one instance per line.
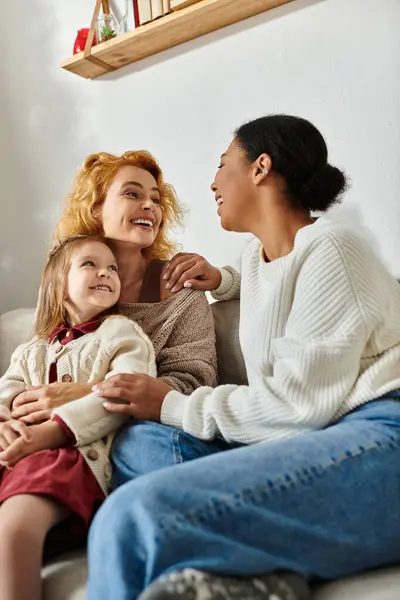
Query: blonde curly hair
x=90, y=189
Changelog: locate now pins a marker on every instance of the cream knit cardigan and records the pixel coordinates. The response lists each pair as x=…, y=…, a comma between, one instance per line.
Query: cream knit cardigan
x=320, y=335
x=118, y=346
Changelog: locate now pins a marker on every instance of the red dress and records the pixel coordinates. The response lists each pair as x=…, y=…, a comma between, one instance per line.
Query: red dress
x=62, y=474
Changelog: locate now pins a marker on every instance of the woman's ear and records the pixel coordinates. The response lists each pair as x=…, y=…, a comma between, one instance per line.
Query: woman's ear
x=261, y=169
x=95, y=211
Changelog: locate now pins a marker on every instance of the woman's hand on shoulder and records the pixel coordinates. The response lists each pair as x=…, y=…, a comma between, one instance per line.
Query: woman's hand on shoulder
x=193, y=271
x=37, y=403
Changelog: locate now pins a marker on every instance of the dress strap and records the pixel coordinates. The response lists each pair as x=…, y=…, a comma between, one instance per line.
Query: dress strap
x=151, y=287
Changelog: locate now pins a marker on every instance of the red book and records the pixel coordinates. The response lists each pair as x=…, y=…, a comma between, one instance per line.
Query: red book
x=136, y=13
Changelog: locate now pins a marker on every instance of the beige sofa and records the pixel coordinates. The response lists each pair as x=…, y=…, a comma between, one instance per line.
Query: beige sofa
x=65, y=578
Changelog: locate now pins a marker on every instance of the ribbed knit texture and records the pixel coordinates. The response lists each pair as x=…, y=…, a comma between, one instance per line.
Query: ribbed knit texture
x=320, y=335
x=229, y=288
x=117, y=346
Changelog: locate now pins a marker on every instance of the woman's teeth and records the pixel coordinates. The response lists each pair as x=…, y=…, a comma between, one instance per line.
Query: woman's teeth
x=219, y=201
x=145, y=222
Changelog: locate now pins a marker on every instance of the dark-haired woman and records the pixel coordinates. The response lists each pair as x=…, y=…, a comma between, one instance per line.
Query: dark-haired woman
x=311, y=481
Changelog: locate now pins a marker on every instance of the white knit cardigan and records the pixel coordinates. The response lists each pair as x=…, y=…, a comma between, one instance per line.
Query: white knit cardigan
x=118, y=346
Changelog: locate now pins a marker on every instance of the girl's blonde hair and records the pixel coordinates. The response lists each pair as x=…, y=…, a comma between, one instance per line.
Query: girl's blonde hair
x=90, y=189
x=51, y=311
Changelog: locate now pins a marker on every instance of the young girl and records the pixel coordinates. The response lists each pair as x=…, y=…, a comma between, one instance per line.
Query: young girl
x=59, y=469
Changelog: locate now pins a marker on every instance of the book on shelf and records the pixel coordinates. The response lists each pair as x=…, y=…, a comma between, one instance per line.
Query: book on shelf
x=157, y=9
x=136, y=16
x=145, y=14
x=178, y=4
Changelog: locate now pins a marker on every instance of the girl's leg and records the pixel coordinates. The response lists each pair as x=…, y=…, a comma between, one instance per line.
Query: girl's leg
x=324, y=504
x=24, y=523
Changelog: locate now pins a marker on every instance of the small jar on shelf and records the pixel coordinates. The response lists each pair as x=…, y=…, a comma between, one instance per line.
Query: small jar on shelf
x=106, y=28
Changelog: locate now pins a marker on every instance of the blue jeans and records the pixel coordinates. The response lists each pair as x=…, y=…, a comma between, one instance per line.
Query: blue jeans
x=325, y=504
x=146, y=446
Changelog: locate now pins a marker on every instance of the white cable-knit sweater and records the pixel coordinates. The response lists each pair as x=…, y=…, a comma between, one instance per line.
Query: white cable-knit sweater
x=118, y=345
x=320, y=335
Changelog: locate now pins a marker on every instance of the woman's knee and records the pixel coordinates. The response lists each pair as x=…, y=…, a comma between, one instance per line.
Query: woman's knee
x=127, y=512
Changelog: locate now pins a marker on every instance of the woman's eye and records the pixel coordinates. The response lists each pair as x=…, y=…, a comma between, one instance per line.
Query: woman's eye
x=132, y=194
x=156, y=200
x=88, y=263
x=114, y=268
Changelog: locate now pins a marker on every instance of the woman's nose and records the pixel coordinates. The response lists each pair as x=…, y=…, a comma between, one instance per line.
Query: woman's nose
x=149, y=204
x=103, y=273
x=213, y=187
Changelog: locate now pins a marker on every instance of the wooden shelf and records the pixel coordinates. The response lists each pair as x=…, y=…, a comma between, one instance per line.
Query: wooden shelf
x=168, y=31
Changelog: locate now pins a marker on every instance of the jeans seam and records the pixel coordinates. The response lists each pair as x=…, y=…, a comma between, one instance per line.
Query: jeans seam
x=213, y=509
x=178, y=458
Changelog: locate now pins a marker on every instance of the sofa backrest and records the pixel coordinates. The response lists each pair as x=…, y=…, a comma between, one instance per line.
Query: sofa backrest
x=231, y=367
x=16, y=327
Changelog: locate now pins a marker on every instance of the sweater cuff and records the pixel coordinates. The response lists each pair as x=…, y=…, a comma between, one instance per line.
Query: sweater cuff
x=71, y=436
x=225, y=285
x=173, y=408
x=230, y=285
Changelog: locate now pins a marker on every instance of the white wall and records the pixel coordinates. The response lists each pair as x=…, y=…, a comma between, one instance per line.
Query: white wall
x=336, y=62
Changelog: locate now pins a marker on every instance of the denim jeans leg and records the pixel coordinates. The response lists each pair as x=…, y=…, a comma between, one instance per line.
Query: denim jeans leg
x=144, y=447
x=324, y=504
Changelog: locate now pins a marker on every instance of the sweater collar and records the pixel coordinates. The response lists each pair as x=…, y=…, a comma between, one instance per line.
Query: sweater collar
x=65, y=334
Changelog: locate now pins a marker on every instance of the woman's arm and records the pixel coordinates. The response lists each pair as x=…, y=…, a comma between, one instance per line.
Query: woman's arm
x=316, y=365
x=229, y=288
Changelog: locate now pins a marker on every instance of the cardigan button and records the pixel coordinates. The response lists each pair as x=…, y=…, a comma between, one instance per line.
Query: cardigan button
x=59, y=349
x=66, y=378
x=92, y=454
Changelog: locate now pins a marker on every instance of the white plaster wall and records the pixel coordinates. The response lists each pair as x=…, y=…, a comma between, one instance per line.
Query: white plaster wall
x=336, y=62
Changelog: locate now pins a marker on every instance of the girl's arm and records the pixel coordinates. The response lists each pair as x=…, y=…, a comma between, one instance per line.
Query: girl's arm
x=13, y=382
x=132, y=352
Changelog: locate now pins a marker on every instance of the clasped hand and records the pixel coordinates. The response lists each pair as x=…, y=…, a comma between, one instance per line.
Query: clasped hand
x=17, y=440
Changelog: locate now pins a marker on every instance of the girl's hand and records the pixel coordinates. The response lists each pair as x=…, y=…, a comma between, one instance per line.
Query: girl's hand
x=46, y=436
x=136, y=395
x=191, y=271
x=12, y=430
x=37, y=403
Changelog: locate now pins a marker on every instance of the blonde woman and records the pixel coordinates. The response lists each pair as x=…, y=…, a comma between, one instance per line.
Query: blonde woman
x=126, y=199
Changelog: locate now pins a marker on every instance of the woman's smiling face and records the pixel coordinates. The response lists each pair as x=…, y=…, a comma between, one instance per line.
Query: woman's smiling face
x=131, y=211
x=232, y=189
